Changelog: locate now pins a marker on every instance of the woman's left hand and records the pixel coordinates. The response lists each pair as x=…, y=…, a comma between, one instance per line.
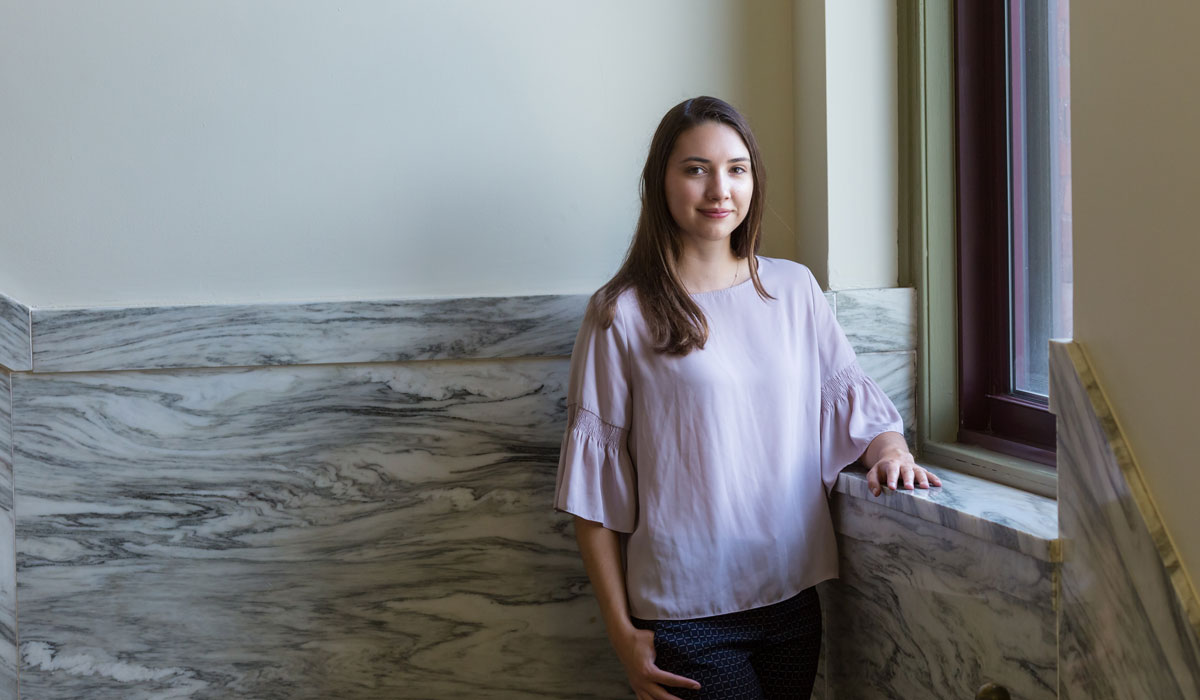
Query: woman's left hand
x=898, y=465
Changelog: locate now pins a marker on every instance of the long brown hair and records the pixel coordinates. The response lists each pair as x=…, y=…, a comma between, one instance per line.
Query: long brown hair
x=676, y=323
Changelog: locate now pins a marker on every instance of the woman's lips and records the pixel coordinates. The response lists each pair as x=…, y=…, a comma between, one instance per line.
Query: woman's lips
x=716, y=213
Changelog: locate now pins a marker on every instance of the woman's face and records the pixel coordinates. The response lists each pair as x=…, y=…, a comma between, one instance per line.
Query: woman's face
x=709, y=183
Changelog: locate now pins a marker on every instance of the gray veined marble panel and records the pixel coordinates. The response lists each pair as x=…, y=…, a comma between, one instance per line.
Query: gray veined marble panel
x=8, y=573
x=168, y=337
x=15, y=353
x=368, y=531
x=72, y=340
x=921, y=611
x=896, y=374
x=879, y=320
x=1128, y=620
x=6, y=501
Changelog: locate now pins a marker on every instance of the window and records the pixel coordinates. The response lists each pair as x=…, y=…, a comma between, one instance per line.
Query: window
x=1012, y=113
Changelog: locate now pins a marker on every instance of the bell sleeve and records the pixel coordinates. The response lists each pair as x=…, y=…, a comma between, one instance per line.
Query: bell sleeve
x=854, y=410
x=596, y=477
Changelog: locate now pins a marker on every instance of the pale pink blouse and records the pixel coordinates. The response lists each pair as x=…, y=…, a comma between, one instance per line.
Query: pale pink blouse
x=718, y=464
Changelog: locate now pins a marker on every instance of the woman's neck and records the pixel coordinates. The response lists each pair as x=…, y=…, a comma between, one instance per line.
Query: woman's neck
x=712, y=269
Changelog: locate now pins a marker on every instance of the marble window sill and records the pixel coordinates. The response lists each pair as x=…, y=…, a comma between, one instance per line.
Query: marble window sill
x=999, y=514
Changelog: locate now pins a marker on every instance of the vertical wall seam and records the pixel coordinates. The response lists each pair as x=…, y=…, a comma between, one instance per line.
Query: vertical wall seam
x=12, y=463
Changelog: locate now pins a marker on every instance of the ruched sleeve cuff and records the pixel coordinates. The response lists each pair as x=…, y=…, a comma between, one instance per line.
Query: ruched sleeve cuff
x=854, y=410
x=596, y=478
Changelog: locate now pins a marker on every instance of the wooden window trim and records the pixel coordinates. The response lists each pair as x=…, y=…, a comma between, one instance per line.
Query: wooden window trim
x=991, y=415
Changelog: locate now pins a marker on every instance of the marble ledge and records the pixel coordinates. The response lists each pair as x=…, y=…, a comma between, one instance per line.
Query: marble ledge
x=995, y=513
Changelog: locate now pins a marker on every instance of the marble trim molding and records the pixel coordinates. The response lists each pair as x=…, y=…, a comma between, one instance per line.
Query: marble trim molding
x=15, y=335
x=239, y=335
x=1002, y=515
x=1066, y=351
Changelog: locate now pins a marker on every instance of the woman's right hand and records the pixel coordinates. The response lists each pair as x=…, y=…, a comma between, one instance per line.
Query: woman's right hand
x=635, y=649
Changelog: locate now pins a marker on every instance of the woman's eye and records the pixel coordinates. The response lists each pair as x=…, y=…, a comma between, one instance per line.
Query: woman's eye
x=694, y=170
x=740, y=170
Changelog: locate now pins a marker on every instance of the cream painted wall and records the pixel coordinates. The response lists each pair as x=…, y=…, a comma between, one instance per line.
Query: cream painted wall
x=860, y=79
x=846, y=159
x=223, y=151
x=812, y=170
x=1136, y=171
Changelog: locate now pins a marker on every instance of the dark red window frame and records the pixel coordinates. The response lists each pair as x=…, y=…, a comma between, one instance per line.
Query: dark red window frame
x=991, y=414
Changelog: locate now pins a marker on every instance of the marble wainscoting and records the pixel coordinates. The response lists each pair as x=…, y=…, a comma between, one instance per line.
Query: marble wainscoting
x=1129, y=620
x=357, y=531
x=878, y=320
x=15, y=335
x=881, y=325
x=895, y=373
x=371, y=529
x=940, y=591
x=8, y=569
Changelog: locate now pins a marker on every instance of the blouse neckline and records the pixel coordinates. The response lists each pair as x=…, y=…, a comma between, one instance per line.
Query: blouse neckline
x=728, y=290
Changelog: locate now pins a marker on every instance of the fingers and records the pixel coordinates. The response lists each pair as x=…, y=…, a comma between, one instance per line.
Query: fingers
x=654, y=691
x=926, y=478
x=873, y=480
x=648, y=684
x=907, y=474
x=660, y=676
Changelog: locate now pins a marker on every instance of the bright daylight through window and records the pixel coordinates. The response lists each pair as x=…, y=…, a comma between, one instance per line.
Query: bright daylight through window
x=1040, y=187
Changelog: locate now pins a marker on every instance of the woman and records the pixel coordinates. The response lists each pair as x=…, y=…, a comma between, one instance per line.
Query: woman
x=712, y=401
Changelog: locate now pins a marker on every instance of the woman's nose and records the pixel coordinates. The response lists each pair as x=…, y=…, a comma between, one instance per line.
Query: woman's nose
x=718, y=187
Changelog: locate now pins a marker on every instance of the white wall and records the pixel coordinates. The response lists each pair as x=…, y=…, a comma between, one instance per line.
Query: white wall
x=1136, y=170
x=220, y=151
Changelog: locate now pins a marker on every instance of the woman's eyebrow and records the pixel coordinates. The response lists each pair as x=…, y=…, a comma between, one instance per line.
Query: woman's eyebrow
x=706, y=161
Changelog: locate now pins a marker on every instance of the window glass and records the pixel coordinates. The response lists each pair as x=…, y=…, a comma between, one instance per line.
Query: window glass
x=1039, y=118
